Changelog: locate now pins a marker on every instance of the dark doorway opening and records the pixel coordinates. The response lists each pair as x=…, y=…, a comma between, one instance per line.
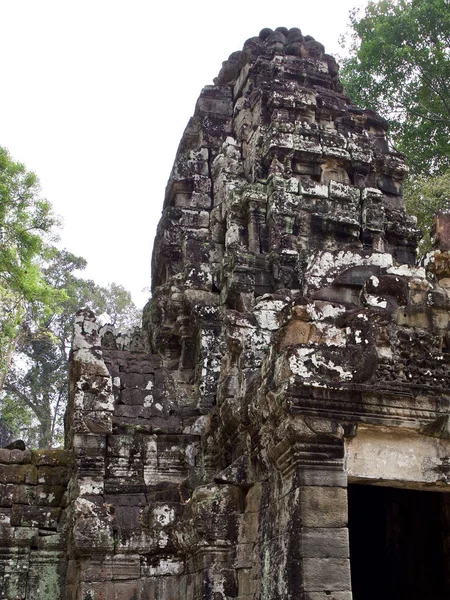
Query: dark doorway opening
x=399, y=543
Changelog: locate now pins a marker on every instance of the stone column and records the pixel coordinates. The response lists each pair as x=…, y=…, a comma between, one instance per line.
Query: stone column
x=303, y=518
x=88, y=422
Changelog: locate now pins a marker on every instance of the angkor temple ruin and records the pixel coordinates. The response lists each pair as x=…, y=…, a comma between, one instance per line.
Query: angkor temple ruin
x=279, y=429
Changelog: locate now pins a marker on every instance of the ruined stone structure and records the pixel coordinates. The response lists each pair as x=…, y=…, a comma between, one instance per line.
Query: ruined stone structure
x=269, y=433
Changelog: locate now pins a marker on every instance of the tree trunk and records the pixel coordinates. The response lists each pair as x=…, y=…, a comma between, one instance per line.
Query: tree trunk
x=45, y=424
x=6, y=361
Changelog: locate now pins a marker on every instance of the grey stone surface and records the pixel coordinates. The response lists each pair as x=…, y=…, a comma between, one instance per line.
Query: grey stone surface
x=207, y=453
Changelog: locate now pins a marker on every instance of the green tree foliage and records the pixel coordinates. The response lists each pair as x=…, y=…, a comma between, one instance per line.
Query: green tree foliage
x=425, y=196
x=35, y=395
x=39, y=295
x=26, y=223
x=399, y=65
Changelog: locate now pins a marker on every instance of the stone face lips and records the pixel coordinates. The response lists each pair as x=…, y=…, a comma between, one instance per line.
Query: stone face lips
x=291, y=339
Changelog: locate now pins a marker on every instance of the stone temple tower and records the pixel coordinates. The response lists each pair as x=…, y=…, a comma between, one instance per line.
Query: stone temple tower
x=279, y=428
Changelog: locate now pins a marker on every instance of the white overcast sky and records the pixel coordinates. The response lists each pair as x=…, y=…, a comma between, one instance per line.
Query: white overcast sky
x=95, y=95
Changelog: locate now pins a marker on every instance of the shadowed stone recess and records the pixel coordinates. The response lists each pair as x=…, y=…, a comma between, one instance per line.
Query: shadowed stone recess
x=291, y=344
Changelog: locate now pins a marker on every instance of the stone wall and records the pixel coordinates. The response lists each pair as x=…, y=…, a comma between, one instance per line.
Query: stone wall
x=292, y=345
x=33, y=512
